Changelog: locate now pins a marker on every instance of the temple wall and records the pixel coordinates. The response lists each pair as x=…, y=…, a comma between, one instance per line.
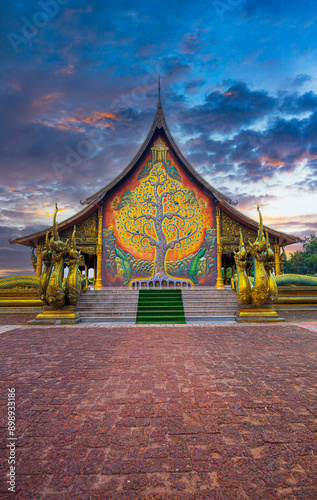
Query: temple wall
x=86, y=234
x=142, y=234
x=230, y=234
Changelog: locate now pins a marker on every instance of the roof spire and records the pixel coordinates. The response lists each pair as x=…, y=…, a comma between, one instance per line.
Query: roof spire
x=159, y=104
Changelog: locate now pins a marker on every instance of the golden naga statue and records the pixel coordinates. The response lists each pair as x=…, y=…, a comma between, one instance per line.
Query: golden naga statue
x=46, y=274
x=53, y=289
x=263, y=288
x=55, y=293
x=260, y=287
x=242, y=284
x=75, y=283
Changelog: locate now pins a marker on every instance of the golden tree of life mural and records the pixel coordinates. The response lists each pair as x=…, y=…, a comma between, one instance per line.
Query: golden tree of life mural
x=160, y=215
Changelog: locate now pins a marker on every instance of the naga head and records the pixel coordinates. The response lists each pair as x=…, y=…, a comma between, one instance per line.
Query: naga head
x=261, y=239
x=270, y=253
x=241, y=255
x=47, y=254
x=258, y=248
x=55, y=225
x=58, y=247
x=74, y=255
x=55, y=235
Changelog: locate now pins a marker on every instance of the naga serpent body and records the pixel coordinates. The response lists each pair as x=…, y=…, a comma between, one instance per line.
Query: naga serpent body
x=75, y=283
x=55, y=293
x=46, y=274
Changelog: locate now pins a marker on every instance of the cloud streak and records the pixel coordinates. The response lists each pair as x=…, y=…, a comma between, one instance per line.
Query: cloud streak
x=82, y=94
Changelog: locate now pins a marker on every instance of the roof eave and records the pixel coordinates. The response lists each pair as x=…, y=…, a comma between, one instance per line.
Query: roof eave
x=286, y=239
x=94, y=201
x=62, y=226
x=160, y=123
x=100, y=194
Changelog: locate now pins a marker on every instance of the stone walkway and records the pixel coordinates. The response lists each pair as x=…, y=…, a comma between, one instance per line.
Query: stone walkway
x=211, y=412
x=310, y=326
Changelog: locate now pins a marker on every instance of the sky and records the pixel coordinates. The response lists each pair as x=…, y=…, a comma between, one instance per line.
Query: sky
x=78, y=95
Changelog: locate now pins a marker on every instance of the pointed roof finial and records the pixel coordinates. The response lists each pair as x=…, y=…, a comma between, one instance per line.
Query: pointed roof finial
x=159, y=104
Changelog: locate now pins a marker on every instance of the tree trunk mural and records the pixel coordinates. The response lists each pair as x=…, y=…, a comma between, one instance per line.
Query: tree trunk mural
x=159, y=214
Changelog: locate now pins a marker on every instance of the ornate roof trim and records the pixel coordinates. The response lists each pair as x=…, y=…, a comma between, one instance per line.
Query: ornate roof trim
x=75, y=219
x=284, y=238
x=94, y=201
x=158, y=123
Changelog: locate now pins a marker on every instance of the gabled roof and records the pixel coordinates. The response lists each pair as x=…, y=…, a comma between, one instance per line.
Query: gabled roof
x=159, y=126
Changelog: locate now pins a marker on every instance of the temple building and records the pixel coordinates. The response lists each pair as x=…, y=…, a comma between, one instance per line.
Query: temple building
x=158, y=220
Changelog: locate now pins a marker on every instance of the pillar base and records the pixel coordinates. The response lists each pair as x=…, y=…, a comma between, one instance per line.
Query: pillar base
x=98, y=285
x=68, y=315
x=219, y=284
x=263, y=314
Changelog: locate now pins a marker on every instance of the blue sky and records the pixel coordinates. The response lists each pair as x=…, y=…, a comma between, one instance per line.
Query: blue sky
x=78, y=95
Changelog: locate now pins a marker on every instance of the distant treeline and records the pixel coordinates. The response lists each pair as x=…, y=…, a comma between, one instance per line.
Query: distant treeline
x=304, y=262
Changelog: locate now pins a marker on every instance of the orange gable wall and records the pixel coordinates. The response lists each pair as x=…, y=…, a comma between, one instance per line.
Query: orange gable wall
x=114, y=272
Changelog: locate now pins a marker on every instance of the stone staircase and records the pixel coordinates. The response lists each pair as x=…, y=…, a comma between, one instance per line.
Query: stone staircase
x=160, y=306
x=119, y=305
x=209, y=305
x=109, y=305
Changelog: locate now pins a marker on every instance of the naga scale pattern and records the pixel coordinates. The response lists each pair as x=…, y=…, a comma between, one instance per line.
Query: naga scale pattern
x=19, y=282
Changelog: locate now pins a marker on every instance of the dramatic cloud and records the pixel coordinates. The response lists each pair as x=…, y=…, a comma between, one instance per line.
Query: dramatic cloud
x=300, y=80
x=79, y=90
x=297, y=104
x=228, y=110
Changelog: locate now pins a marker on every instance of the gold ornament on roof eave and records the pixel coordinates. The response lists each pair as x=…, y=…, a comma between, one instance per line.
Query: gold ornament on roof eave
x=86, y=230
x=160, y=143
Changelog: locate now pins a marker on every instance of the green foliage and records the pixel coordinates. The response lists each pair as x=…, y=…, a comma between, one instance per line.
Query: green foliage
x=304, y=262
x=228, y=273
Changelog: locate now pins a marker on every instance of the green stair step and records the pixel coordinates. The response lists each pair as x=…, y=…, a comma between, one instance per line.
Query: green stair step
x=160, y=299
x=159, y=292
x=160, y=316
x=161, y=322
x=160, y=306
x=155, y=314
x=160, y=303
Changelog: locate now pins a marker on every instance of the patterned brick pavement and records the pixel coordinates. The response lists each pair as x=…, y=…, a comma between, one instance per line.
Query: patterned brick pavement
x=15, y=319
x=210, y=412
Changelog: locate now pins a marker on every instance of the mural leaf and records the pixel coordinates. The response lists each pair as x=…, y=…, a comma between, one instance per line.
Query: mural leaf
x=173, y=172
x=193, y=270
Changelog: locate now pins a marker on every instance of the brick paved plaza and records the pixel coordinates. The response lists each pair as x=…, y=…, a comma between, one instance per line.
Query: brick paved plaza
x=187, y=412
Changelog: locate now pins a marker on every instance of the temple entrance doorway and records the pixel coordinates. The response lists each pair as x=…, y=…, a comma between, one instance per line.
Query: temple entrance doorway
x=227, y=267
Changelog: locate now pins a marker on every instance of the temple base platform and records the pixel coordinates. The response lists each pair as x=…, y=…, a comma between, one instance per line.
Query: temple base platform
x=254, y=314
x=20, y=301
x=68, y=315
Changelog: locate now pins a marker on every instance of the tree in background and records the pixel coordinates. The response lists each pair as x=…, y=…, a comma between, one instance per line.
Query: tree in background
x=304, y=262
